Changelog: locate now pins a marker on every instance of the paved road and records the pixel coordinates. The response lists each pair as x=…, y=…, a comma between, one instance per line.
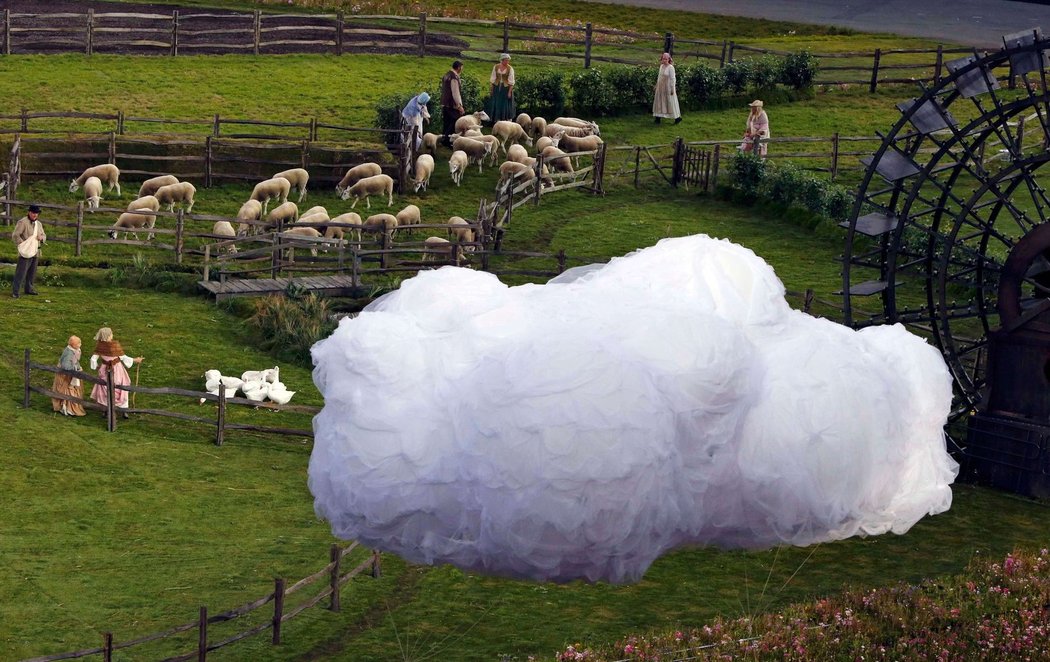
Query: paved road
x=979, y=23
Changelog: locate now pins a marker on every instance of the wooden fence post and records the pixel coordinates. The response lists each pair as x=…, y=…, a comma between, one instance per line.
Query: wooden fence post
x=112, y=147
x=275, y=254
x=207, y=162
x=25, y=379
x=202, y=635
x=7, y=32
x=25, y=120
x=207, y=261
x=220, y=417
x=180, y=226
x=278, y=609
x=588, y=40
x=258, y=31
x=729, y=54
x=598, y=174
x=716, y=159
x=120, y=122
x=722, y=59
x=174, y=32
x=669, y=43
x=79, y=237
x=111, y=411
x=834, y=155
x=637, y=164
x=334, y=554
x=1020, y=135
x=339, y=24
x=875, y=71
x=377, y=568
x=107, y=647
x=937, y=66
x=676, y=162
x=313, y=131
x=506, y=34
x=561, y=261
x=89, y=35
x=215, y=126
x=422, y=33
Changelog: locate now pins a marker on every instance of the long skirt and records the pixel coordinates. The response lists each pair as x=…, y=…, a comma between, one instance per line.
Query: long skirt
x=120, y=378
x=63, y=384
x=499, y=107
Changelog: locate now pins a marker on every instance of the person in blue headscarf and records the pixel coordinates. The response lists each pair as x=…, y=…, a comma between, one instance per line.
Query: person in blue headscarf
x=414, y=114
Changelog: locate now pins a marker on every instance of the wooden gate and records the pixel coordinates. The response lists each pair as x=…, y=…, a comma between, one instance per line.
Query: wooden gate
x=692, y=165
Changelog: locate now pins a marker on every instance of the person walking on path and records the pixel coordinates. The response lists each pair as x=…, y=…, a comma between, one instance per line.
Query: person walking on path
x=451, y=102
x=415, y=113
x=665, y=96
x=66, y=384
x=501, y=91
x=109, y=355
x=757, y=129
x=28, y=236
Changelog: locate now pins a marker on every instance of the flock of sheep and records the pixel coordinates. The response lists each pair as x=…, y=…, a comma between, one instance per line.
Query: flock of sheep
x=469, y=146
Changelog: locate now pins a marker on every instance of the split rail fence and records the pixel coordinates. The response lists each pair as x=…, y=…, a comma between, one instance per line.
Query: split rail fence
x=185, y=31
x=205, y=624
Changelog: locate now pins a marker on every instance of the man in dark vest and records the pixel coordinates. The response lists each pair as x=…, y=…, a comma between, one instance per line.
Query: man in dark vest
x=451, y=102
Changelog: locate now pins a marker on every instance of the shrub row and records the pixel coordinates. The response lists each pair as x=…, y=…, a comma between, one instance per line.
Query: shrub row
x=789, y=185
x=615, y=90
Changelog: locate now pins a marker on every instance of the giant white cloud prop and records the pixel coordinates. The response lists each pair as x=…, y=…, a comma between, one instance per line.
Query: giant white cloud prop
x=579, y=429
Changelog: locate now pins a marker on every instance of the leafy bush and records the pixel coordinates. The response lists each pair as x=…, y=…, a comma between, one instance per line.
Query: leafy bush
x=782, y=182
x=747, y=171
x=798, y=70
x=289, y=325
x=765, y=72
x=700, y=83
x=541, y=93
x=143, y=274
x=789, y=185
x=632, y=88
x=590, y=94
x=738, y=76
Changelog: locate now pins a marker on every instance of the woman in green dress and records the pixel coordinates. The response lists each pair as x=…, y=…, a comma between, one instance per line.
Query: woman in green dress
x=500, y=105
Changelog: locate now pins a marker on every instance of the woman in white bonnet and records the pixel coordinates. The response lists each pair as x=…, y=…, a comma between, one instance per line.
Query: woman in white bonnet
x=665, y=96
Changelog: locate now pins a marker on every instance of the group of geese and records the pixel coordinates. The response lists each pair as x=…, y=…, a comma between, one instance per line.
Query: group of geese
x=256, y=385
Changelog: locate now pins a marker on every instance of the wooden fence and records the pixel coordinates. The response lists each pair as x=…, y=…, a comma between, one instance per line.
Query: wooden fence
x=220, y=422
x=186, y=31
x=332, y=574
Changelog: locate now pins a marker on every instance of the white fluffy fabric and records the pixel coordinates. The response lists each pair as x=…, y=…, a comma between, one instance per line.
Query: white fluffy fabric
x=579, y=429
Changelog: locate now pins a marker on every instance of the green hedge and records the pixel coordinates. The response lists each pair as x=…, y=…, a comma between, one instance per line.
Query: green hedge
x=789, y=185
x=616, y=90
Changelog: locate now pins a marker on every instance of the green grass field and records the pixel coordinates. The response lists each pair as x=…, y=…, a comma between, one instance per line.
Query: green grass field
x=131, y=532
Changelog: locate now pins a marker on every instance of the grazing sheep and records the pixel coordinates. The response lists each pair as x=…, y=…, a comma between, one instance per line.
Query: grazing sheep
x=146, y=202
x=150, y=186
x=410, y=215
x=525, y=122
x=430, y=143
x=385, y=223
x=539, y=127
x=460, y=231
x=182, y=192
x=546, y=141
x=496, y=146
x=369, y=186
x=457, y=165
x=556, y=159
x=508, y=131
x=309, y=233
x=472, y=121
x=107, y=173
x=423, y=170
x=472, y=133
x=131, y=222
x=283, y=214
x=583, y=144
x=225, y=229
x=315, y=214
x=439, y=248
x=249, y=211
x=297, y=179
x=511, y=173
x=553, y=129
x=334, y=231
x=476, y=150
x=271, y=189
x=577, y=123
x=93, y=192
x=517, y=153
x=356, y=174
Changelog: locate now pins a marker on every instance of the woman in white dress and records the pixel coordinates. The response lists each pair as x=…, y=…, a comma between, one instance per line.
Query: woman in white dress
x=665, y=96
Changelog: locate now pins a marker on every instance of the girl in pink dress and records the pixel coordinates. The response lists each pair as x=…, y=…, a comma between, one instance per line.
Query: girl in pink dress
x=109, y=355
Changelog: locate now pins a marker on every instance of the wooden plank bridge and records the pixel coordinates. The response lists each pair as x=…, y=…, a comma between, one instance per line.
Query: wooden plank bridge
x=337, y=285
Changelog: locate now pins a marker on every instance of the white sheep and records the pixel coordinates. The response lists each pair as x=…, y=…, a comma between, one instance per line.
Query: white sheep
x=577, y=131
x=357, y=173
x=131, y=222
x=271, y=189
x=314, y=210
x=297, y=179
x=525, y=122
x=471, y=133
x=309, y=233
x=476, y=150
x=410, y=215
x=460, y=231
x=385, y=223
x=150, y=186
x=517, y=153
x=182, y=192
x=335, y=231
x=93, y=192
x=283, y=214
x=317, y=218
x=249, y=211
x=508, y=131
x=430, y=143
x=369, y=186
x=145, y=202
x=512, y=173
x=435, y=248
x=577, y=123
x=556, y=159
x=107, y=173
x=496, y=146
x=457, y=165
x=424, y=169
x=471, y=121
x=581, y=144
x=546, y=141
x=225, y=229
x=539, y=127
